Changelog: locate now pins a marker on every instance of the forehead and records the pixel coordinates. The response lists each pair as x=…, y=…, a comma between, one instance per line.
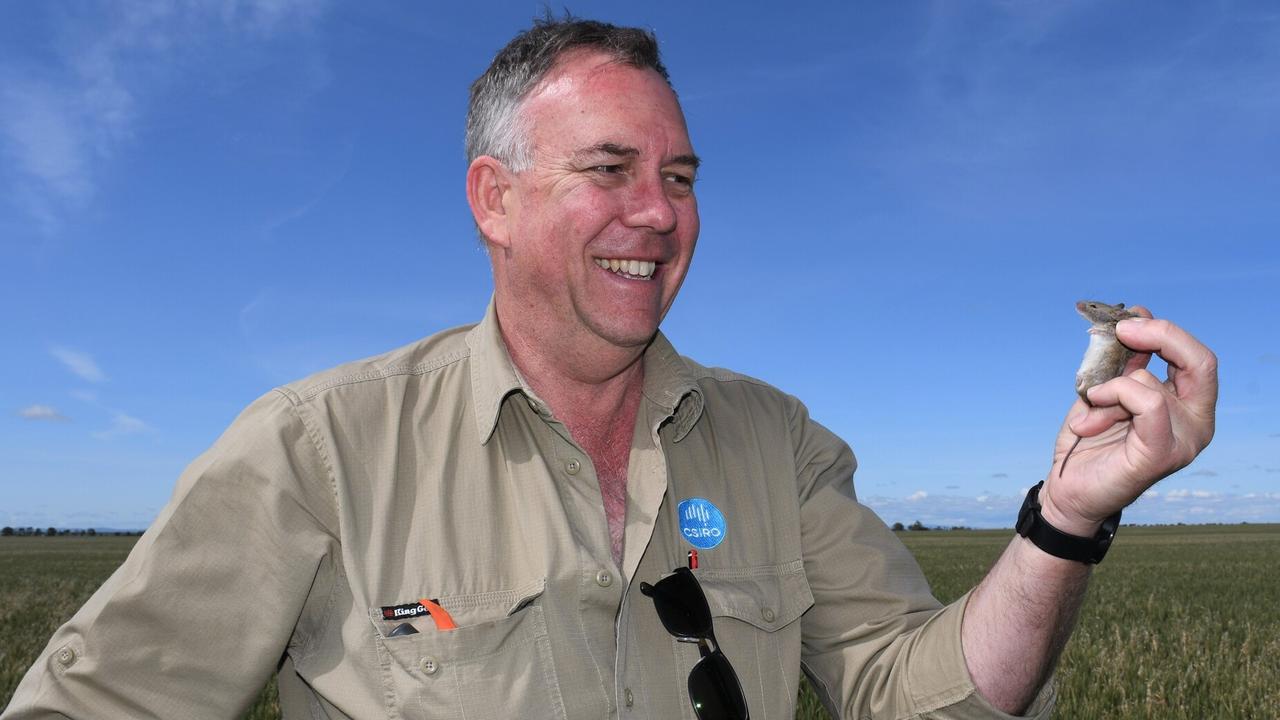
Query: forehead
x=589, y=98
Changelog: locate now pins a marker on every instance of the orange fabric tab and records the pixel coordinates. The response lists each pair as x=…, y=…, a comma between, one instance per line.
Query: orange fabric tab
x=438, y=614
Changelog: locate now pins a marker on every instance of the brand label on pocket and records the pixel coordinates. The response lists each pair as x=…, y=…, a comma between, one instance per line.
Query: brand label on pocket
x=701, y=523
x=409, y=610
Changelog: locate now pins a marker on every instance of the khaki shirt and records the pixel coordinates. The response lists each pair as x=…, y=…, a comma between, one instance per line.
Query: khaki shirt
x=434, y=472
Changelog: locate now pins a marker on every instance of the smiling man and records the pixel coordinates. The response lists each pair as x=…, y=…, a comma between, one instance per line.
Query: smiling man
x=552, y=514
x=590, y=238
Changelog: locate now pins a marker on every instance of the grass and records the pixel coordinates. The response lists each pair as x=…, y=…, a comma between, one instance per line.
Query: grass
x=46, y=579
x=1180, y=623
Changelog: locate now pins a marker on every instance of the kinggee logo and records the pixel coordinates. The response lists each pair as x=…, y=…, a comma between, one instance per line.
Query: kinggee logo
x=408, y=610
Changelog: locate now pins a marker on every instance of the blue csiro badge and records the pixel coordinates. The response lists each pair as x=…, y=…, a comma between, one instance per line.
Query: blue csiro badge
x=701, y=523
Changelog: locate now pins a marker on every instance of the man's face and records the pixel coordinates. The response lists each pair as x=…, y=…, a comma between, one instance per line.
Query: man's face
x=603, y=226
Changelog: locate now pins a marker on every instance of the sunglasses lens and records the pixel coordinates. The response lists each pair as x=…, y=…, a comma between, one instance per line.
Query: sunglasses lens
x=715, y=691
x=680, y=604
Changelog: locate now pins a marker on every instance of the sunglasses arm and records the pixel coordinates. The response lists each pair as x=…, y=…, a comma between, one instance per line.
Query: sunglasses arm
x=706, y=646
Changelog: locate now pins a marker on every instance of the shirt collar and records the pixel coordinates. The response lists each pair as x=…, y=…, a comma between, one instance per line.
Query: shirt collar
x=493, y=376
x=670, y=384
x=668, y=381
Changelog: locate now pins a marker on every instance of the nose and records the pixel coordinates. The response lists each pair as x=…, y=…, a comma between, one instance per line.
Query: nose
x=648, y=205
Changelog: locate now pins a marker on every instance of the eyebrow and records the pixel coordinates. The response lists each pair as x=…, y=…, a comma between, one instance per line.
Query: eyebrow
x=617, y=150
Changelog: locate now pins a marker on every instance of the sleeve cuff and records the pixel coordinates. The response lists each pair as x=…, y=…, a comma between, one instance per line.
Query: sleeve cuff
x=939, y=682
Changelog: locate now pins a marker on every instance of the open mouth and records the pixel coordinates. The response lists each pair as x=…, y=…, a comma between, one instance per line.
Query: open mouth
x=630, y=269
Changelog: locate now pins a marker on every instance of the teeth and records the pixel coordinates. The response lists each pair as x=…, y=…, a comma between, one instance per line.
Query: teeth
x=629, y=268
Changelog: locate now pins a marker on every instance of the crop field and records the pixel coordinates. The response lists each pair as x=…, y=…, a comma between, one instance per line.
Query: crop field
x=1180, y=622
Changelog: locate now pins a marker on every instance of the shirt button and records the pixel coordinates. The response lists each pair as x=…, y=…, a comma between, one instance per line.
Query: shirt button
x=628, y=698
x=66, y=656
x=604, y=578
x=429, y=665
x=767, y=614
x=572, y=466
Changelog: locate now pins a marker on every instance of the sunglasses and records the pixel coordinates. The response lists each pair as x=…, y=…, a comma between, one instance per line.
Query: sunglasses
x=714, y=689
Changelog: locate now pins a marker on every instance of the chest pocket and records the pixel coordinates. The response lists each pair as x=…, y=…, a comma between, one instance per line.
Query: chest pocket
x=496, y=664
x=754, y=612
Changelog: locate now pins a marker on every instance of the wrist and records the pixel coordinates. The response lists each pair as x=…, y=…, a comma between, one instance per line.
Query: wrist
x=1070, y=523
x=1041, y=532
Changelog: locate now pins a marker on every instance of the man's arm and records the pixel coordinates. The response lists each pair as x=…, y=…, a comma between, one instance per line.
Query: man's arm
x=198, y=617
x=876, y=643
x=1138, y=431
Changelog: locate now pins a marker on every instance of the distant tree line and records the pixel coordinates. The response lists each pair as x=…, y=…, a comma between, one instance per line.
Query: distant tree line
x=54, y=532
x=918, y=526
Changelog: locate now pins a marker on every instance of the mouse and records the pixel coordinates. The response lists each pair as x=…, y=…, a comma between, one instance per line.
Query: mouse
x=1105, y=357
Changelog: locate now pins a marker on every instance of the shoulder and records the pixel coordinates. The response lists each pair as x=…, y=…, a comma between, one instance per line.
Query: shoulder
x=410, y=363
x=726, y=389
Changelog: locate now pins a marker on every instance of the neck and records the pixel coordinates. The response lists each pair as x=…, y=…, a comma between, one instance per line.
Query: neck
x=594, y=389
x=587, y=389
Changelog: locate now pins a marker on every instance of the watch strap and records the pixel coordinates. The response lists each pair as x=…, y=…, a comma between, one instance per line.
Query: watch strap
x=1089, y=550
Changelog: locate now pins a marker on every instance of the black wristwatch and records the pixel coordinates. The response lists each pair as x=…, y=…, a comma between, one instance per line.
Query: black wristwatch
x=1032, y=526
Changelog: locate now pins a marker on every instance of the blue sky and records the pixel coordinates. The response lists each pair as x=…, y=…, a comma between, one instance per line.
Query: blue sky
x=900, y=204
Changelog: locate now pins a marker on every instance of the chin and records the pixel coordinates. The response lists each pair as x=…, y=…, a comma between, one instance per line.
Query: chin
x=629, y=336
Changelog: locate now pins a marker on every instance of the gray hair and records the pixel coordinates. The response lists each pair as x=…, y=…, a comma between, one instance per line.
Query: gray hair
x=494, y=123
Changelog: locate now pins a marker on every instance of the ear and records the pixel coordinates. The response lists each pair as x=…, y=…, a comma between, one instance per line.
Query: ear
x=488, y=182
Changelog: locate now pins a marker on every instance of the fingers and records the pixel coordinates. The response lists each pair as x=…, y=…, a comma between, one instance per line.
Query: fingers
x=1141, y=359
x=1088, y=421
x=1147, y=379
x=1102, y=415
x=1193, y=368
x=1148, y=406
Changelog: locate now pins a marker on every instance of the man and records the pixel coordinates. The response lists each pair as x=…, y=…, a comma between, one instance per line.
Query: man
x=461, y=528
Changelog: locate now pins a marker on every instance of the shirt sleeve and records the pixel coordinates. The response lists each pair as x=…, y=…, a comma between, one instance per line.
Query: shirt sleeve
x=876, y=643
x=198, y=617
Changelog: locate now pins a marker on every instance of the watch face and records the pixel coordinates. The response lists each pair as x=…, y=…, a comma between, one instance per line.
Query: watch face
x=1027, y=514
x=1025, y=520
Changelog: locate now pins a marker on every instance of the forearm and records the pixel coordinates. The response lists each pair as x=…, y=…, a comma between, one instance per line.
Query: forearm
x=1018, y=621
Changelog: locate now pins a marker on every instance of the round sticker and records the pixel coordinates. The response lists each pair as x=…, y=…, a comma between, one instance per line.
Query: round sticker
x=701, y=523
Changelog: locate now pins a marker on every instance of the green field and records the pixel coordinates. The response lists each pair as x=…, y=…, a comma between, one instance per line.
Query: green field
x=1180, y=622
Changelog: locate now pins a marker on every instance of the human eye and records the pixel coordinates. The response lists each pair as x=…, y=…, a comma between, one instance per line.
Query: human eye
x=682, y=182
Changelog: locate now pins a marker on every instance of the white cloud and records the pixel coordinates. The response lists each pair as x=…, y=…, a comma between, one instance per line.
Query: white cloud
x=44, y=517
x=42, y=412
x=1183, y=494
x=61, y=119
x=44, y=138
x=999, y=511
x=917, y=496
x=81, y=364
x=122, y=424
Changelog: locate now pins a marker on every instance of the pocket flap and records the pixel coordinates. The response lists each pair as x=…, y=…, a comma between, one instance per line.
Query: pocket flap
x=768, y=597
x=472, y=609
